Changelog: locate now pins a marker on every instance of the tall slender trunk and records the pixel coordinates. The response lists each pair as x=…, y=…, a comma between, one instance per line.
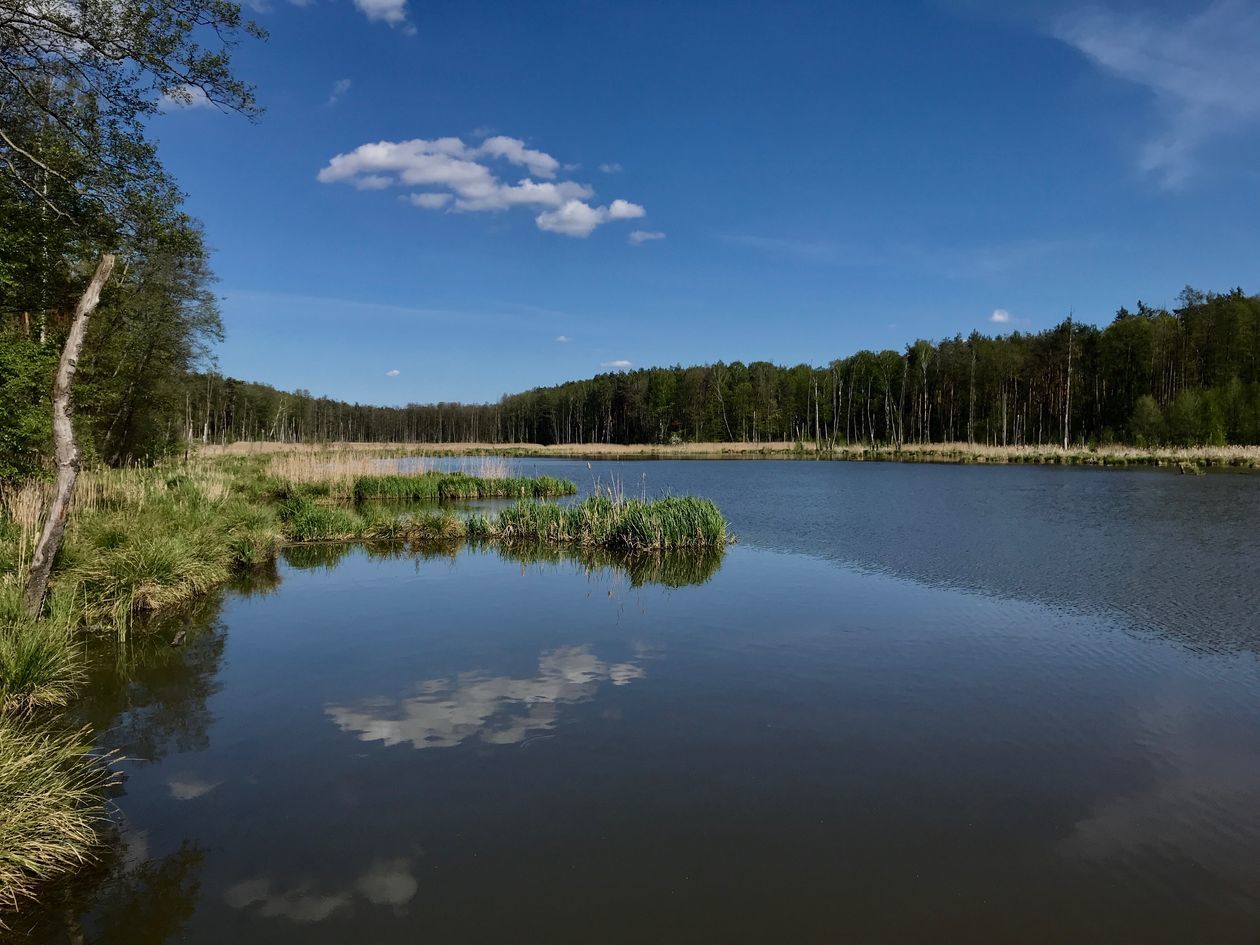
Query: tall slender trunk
x=67, y=452
x=1067, y=400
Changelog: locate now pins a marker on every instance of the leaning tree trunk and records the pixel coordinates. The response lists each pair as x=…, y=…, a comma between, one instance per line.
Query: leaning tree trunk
x=67, y=453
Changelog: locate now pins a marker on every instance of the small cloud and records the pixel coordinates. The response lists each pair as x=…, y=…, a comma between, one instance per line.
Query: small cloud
x=1000, y=316
x=388, y=883
x=618, y=365
x=339, y=90
x=465, y=179
x=184, y=96
x=297, y=905
x=189, y=789
x=639, y=237
x=394, y=373
x=562, y=339
x=625, y=210
x=611, y=167
x=578, y=218
x=393, y=12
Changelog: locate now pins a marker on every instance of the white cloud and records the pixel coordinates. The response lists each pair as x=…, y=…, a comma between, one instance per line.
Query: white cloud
x=1203, y=69
x=563, y=339
x=184, y=96
x=638, y=237
x=393, y=12
x=539, y=163
x=611, y=167
x=1000, y=316
x=459, y=175
x=429, y=200
x=618, y=365
x=625, y=210
x=339, y=90
x=578, y=218
x=574, y=218
x=393, y=372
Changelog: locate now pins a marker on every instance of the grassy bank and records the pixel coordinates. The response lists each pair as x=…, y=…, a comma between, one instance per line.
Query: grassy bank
x=145, y=540
x=1207, y=457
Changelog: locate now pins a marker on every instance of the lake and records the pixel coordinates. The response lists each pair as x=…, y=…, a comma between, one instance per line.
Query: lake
x=913, y=704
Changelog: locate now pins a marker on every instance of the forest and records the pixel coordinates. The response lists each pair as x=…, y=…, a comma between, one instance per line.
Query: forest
x=1188, y=376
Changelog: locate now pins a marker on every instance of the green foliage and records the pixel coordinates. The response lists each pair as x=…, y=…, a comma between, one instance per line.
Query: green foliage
x=1147, y=425
x=26, y=372
x=451, y=486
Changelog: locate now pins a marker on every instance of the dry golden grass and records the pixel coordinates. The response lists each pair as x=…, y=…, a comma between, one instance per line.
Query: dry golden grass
x=339, y=468
x=25, y=507
x=1235, y=456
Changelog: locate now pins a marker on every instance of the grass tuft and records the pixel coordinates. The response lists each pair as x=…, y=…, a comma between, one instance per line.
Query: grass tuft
x=51, y=793
x=673, y=522
x=40, y=667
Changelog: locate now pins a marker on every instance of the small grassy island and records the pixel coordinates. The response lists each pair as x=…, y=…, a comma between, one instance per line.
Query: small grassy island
x=146, y=540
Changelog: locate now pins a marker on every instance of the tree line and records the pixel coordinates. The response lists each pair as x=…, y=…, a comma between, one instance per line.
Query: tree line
x=1189, y=375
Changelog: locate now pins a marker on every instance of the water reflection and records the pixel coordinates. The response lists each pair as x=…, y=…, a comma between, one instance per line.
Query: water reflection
x=679, y=568
x=126, y=898
x=387, y=882
x=150, y=698
x=499, y=710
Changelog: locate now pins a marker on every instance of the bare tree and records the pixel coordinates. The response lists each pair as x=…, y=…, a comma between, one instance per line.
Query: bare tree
x=64, y=446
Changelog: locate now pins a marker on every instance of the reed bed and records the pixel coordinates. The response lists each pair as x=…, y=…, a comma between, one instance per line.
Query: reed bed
x=631, y=524
x=1238, y=457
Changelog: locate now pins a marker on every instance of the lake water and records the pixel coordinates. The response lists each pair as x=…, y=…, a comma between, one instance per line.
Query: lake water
x=912, y=704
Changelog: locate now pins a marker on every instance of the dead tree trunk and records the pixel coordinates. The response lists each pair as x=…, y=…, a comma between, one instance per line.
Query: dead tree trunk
x=64, y=447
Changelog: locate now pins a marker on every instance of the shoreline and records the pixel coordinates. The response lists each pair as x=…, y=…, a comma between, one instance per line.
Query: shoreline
x=1186, y=459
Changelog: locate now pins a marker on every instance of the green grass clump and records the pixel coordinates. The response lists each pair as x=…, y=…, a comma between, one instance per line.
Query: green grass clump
x=414, y=527
x=306, y=520
x=177, y=544
x=40, y=666
x=442, y=487
x=674, y=522
x=51, y=796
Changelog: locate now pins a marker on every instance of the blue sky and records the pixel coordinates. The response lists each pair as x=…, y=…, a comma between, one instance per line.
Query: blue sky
x=452, y=201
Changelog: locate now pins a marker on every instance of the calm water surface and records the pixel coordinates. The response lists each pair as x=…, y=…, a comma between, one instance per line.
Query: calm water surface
x=913, y=704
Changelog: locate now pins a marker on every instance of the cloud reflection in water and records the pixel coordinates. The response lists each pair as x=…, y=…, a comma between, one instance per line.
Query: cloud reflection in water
x=501, y=710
